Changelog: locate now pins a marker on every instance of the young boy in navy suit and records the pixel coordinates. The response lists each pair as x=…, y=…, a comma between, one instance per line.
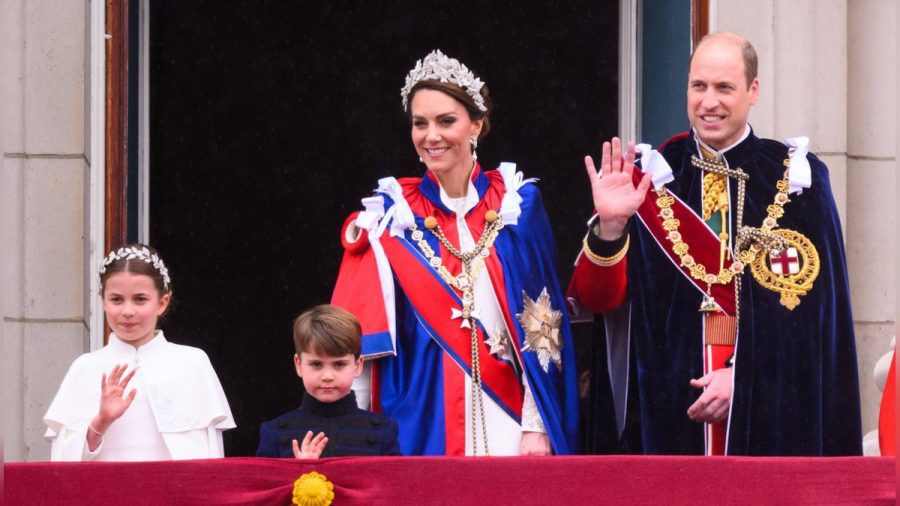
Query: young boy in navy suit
x=328, y=422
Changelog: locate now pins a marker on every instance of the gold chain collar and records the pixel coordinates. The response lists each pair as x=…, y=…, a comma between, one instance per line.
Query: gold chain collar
x=472, y=264
x=697, y=270
x=762, y=238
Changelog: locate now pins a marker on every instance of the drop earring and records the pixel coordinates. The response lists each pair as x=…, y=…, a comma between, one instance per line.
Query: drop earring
x=474, y=142
x=420, y=160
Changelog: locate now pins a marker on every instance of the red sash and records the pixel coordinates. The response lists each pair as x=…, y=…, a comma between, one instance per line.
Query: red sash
x=433, y=299
x=704, y=243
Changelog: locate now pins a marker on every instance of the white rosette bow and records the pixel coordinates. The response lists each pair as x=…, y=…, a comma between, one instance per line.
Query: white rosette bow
x=399, y=215
x=655, y=164
x=510, y=206
x=374, y=219
x=369, y=219
x=800, y=175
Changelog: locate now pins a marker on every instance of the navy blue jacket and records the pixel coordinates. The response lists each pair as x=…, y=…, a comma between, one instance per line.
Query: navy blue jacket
x=351, y=431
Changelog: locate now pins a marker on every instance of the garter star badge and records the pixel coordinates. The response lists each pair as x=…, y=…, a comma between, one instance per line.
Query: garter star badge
x=541, y=324
x=790, y=272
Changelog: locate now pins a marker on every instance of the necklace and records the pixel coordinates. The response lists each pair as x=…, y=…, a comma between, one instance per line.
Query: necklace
x=472, y=264
x=758, y=238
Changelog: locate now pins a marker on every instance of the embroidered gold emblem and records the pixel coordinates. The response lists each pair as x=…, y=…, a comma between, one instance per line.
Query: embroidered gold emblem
x=541, y=324
x=791, y=271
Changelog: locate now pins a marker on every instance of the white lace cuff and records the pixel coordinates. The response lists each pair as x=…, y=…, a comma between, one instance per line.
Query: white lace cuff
x=531, y=417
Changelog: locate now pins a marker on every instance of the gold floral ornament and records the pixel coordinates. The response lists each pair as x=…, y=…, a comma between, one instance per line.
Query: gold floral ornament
x=313, y=489
x=541, y=324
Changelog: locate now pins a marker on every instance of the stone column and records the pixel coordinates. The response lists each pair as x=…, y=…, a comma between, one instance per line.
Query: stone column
x=42, y=203
x=802, y=48
x=871, y=180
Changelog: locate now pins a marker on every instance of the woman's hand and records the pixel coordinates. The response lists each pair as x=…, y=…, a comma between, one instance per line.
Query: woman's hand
x=311, y=447
x=113, y=402
x=615, y=196
x=535, y=443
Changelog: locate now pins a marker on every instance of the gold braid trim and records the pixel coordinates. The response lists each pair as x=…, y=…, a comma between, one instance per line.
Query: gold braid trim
x=713, y=189
x=603, y=261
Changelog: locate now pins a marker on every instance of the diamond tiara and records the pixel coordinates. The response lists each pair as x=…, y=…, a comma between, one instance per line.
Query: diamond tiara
x=134, y=253
x=440, y=67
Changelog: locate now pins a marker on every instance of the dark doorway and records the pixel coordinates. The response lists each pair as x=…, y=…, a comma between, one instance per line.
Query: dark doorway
x=269, y=120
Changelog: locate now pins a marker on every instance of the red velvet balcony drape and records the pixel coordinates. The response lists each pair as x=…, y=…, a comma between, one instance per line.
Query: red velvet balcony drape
x=482, y=481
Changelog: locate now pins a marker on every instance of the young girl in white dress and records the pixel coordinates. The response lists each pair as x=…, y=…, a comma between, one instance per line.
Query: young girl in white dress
x=175, y=407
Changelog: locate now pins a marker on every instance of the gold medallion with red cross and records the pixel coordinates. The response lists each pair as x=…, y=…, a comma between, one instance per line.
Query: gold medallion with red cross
x=790, y=272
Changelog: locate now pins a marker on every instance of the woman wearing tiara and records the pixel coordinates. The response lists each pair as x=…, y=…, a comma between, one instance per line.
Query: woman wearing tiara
x=452, y=276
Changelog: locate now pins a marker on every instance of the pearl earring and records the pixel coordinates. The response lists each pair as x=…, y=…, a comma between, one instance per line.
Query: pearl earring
x=474, y=141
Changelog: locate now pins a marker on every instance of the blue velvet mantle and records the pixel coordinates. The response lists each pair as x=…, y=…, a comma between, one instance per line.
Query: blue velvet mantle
x=796, y=386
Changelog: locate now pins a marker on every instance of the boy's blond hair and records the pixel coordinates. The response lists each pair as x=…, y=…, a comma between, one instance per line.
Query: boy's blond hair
x=328, y=330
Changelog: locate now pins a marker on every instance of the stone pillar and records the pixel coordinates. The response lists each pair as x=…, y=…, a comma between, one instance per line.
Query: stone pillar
x=871, y=180
x=802, y=47
x=42, y=201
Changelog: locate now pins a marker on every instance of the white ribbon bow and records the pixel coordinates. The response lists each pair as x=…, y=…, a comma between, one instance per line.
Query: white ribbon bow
x=400, y=212
x=654, y=163
x=800, y=175
x=510, y=205
x=368, y=219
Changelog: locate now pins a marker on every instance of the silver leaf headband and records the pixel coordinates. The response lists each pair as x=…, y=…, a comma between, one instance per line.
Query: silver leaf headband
x=439, y=67
x=134, y=253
